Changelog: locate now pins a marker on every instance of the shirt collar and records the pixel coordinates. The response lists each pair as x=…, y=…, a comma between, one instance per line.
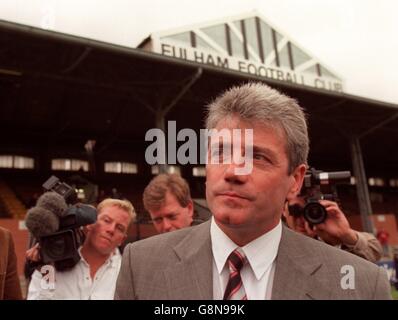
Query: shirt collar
x=260, y=252
x=112, y=259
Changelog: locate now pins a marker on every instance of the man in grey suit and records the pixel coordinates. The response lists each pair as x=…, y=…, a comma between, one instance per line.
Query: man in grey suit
x=244, y=252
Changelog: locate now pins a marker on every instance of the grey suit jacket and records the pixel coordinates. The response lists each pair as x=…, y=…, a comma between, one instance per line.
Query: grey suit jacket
x=179, y=265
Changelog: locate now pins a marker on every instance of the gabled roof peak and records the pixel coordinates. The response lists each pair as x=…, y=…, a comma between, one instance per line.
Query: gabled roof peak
x=246, y=43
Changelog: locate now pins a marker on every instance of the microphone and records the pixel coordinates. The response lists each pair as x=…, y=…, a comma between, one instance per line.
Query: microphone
x=53, y=202
x=41, y=222
x=43, y=219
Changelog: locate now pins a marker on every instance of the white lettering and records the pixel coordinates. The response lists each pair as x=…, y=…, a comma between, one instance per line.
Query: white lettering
x=348, y=280
x=48, y=280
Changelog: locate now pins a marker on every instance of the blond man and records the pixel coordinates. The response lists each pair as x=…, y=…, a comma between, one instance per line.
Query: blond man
x=94, y=276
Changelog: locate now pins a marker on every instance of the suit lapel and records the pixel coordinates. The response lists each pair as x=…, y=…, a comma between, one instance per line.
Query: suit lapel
x=295, y=271
x=192, y=277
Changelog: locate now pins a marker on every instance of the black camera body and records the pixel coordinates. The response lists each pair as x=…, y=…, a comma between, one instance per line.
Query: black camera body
x=313, y=190
x=61, y=248
x=63, y=189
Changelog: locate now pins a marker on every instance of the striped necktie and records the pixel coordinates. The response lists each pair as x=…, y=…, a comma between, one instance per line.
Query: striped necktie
x=235, y=289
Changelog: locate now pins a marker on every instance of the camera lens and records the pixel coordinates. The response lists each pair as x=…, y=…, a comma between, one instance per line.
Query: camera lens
x=57, y=246
x=315, y=213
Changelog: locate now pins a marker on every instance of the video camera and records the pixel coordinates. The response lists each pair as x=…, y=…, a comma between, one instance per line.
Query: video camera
x=63, y=189
x=56, y=223
x=313, y=190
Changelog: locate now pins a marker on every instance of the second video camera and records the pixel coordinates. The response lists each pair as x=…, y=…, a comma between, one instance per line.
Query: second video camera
x=313, y=190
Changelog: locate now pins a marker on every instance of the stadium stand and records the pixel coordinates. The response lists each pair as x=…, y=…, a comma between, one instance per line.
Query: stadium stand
x=14, y=208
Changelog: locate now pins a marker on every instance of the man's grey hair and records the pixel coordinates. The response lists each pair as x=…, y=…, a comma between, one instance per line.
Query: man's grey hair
x=257, y=102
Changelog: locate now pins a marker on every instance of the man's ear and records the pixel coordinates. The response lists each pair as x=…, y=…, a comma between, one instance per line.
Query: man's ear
x=297, y=181
x=190, y=208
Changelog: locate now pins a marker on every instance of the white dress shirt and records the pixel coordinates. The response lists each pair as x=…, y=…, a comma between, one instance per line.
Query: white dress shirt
x=76, y=284
x=258, y=274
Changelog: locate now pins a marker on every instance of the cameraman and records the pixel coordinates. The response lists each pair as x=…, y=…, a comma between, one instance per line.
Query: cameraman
x=94, y=276
x=335, y=230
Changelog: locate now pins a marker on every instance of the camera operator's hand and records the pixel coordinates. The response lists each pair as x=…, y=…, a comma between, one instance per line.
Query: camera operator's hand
x=336, y=229
x=308, y=230
x=298, y=223
x=33, y=254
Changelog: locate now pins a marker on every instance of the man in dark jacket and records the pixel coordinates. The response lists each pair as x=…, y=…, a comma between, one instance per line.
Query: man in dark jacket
x=10, y=288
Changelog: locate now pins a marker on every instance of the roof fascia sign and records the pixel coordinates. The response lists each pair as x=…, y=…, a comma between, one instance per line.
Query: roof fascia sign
x=170, y=43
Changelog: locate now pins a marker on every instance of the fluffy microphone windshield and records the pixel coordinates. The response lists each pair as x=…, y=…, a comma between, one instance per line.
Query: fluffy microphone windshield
x=53, y=202
x=41, y=222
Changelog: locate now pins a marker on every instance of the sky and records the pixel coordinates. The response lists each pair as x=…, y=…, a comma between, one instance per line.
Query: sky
x=357, y=39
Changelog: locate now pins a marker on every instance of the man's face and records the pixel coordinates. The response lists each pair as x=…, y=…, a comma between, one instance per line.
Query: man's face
x=250, y=205
x=171, y=216
x=110, y=230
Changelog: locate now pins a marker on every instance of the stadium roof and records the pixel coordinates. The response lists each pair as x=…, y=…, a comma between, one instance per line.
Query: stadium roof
x=247, y=43
x=61, y=90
